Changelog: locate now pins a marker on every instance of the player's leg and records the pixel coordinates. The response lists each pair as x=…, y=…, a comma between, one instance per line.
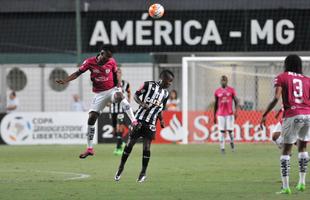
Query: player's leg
x=148, y=132
x=133, y=137
x=119, y=138
x=98, y=103
x=93, y=116
x=303, y=157
x=145, y=158
x=221, y=128
x=230, y=129
x=118, y=97
x=289, y=137
x=285, y=168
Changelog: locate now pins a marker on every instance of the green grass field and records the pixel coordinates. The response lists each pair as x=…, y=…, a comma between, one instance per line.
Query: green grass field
x=175, y=172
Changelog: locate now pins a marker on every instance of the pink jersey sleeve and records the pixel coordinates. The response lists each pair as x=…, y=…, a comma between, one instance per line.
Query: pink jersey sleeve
x=278, y=81
x=85, y=66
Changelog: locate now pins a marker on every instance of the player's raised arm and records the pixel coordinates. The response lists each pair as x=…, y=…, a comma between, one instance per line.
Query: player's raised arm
x=69, y=78
x=138, y=93
x=272, y=104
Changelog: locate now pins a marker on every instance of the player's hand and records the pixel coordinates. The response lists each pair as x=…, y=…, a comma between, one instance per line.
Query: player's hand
x=262, y=123
x=59, y=81
x=162, y=124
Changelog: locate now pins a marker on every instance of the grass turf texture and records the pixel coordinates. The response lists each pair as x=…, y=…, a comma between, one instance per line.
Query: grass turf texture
x=175, y=172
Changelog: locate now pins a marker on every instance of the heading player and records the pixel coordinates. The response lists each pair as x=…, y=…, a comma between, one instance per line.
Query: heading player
x=223, y=111
x=117, y=114
x=153, y=101
x=294, y=88
x=103, y=70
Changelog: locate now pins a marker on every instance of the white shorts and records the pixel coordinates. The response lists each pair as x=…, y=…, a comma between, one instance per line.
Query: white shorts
x=297, y=127
x=225, y=123
x=277, y=128
x=102, y=99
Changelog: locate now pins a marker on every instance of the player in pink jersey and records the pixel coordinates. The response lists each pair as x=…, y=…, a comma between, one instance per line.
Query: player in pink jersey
x=223, y=111
x=294, y=88
x=103, y=70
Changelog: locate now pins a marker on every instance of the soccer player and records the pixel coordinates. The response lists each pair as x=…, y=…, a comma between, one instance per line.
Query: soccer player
x=117, y=114
x=103, y=70
x=223, y=112
x=153, y=101
x=294, y=88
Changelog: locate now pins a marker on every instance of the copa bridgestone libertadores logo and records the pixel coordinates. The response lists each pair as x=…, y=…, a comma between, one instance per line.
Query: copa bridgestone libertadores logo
x=18, y=129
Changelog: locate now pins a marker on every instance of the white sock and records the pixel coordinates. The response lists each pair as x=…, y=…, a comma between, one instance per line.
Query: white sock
x=128, y=110
x=222, y=140
x=303, y=164
x=285, y=170
x=90, y=135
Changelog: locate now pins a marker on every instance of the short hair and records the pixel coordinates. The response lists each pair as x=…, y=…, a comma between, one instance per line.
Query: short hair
x=13, y=93
x=109, y=49
x=165, y=73
x=293, y=63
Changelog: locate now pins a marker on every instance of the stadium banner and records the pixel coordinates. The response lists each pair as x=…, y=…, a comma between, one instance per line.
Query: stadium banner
x=203, y=130
x=177, y=31
x=27, y=128
x=105, y=128
x=198, y=31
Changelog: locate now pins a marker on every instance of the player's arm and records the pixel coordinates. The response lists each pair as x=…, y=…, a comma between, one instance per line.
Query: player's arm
x=139, y=92
x=161, y=120
x=272, y=104
x=160, y=115
x=69, y=78
x=237, y=106
x=11, y=107
x=215, y=109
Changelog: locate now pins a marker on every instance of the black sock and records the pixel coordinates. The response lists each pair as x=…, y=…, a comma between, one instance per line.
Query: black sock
x=119, y=140
x=124, y=158
x=145, y=160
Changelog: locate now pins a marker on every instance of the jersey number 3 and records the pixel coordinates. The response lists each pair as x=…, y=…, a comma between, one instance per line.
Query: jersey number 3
x=297, y=84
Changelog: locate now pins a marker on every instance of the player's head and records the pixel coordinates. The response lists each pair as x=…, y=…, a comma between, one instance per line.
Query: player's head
x=76, y=98
x=293, y=63
x=104, y=55
x=166, y=78
x=224, y=81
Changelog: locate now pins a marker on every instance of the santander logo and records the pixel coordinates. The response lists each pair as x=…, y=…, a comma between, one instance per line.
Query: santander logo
x=174, y=132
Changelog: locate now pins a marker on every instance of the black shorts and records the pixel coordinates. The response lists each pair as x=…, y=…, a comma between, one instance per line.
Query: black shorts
x=118, y=118
x=146, y=131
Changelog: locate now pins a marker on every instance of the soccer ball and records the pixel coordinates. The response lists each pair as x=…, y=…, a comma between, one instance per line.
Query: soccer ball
x=156, y=11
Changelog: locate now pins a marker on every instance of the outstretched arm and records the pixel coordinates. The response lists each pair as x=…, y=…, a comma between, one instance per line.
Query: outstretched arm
x=69, y=78
x=272, y=104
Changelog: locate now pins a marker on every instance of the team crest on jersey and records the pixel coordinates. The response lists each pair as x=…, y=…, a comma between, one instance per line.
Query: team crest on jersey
x=107, y=71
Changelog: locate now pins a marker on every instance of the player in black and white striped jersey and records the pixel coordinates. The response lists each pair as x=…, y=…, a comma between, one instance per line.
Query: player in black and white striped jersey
x=152, y=98
x=117, y=114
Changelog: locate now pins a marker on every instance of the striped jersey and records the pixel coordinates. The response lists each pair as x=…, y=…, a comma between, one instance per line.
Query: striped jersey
x=116, y=107
x=156, y=99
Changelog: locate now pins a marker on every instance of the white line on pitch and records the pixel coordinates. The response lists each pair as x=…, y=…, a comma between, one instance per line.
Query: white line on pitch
x=76, y=176
x=235, y=34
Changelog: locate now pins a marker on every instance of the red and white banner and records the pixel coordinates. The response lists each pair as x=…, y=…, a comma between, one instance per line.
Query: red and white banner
x=201, y=128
